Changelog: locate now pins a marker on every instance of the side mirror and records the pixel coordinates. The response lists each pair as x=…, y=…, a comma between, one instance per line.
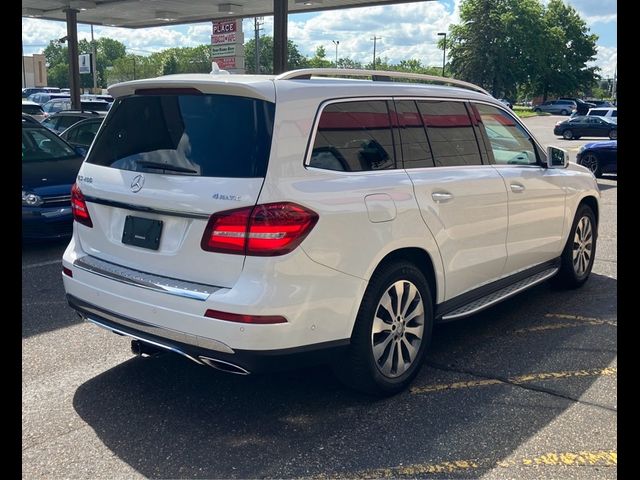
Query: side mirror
x=557, y=157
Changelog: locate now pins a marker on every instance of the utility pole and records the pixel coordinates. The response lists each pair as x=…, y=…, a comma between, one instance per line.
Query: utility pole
x=257, y=23
x=374, y=50
x=336, y=43
x=93, y=62
x=444, y=50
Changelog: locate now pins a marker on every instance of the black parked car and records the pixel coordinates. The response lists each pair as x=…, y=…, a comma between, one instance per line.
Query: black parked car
x=582, y=107
x=599, y=157
x=590, y=126
x=49, y=169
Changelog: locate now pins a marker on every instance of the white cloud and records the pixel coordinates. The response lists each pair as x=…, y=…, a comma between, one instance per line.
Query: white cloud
x=607, y=60
x=411, y=34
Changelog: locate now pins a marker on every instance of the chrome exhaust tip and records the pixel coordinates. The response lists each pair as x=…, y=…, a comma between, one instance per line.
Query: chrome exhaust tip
x=224, y=366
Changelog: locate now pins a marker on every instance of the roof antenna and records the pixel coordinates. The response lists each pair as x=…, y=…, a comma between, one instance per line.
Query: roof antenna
x=215, y=70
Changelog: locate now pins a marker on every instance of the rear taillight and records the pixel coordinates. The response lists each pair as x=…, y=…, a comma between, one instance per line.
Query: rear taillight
x=264, y=230
x=79, y=207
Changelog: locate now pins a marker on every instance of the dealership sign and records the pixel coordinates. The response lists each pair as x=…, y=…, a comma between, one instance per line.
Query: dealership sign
x=223, y=51
x=224, y=38
x=225, y=26
x=227, y=48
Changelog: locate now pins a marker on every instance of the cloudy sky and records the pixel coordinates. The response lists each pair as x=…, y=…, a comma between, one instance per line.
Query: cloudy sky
x=406, y=31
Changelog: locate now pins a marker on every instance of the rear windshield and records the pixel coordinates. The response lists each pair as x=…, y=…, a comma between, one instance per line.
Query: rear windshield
x=203, y=135
x=32, y=109
x=95, y=106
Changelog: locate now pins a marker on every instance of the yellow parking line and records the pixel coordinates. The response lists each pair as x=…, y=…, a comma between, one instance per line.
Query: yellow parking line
x=578, y=321
x=605, y=458
x=598, y=372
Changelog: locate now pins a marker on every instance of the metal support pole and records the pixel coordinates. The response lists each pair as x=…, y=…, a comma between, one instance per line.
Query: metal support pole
x=93, y=62
x=256, y=23
x=74, y=69
x=24, y=72
x=336, y=43
x=279, y=36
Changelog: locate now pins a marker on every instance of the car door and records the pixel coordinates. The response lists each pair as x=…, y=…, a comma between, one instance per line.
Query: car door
x=535, y=194
x=462, y=200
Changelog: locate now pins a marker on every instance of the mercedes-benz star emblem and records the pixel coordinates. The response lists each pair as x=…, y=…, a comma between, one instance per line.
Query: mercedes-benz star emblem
x=137, y=183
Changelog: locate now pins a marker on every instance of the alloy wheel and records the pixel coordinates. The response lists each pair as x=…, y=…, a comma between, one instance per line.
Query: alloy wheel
x=591, y=162
x=398, y=329
x=582, y=246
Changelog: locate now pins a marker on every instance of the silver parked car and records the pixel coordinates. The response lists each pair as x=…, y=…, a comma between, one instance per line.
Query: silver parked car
x=562, y=107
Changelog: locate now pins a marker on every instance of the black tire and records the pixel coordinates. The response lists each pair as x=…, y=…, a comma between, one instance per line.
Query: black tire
x=567, y=135
x=359, y=368
x=613, y=134
x=572, y=275
x=537, y=110
x=564, y=112
x=590, y=160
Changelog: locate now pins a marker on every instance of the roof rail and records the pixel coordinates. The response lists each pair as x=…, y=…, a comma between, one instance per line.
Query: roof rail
x=376, y=75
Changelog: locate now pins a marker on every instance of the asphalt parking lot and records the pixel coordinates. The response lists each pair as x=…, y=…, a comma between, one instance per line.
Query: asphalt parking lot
x=526, y=389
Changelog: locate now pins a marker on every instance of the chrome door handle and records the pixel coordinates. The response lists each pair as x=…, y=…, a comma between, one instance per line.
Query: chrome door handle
x=441, y=197
x=517, y=188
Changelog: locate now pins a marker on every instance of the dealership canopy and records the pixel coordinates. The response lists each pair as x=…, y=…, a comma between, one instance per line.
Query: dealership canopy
x=153, y=13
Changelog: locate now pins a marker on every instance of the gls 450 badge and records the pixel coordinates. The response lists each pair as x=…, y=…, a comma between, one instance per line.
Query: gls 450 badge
x=85, y=179
x=223, y=196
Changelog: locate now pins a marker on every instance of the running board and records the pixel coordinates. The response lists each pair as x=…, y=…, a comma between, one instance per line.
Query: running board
x=500, y=295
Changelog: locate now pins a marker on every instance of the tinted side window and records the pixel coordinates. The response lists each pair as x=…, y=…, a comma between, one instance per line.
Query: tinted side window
x=416, y=151
x=599, y=113
x=509, y=142
x=353, y=137
x=450, y=133
x=614, y=114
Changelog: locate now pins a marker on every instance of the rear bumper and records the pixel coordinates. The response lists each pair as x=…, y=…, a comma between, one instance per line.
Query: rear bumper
x=319, y=304
x=249, y=361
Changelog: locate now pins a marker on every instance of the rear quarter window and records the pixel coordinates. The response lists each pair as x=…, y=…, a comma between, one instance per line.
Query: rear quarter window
x=354, y=136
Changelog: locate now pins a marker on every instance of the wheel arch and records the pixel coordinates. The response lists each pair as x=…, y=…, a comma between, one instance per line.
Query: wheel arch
x=421, y=259
x=592, y=203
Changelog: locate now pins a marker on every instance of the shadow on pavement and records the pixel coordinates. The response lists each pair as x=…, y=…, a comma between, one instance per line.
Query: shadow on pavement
x=169, y=418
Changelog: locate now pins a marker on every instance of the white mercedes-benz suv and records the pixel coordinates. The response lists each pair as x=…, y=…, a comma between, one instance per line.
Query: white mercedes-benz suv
x=256, y=222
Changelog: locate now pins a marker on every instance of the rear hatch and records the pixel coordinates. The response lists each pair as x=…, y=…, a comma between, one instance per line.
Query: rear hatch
x=164, y=161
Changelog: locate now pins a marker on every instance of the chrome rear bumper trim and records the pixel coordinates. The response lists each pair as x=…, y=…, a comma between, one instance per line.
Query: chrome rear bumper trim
x=171, y=286
x=146, y=340
x=93, y=313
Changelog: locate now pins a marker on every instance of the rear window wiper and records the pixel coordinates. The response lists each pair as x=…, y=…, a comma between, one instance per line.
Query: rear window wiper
x=164, y=166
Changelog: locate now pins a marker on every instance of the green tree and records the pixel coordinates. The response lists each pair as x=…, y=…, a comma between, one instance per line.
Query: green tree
x=348, y=63
x=510, y=46
x=170, y=66
x=319, y=60
x=567, y=48
x=294, y=58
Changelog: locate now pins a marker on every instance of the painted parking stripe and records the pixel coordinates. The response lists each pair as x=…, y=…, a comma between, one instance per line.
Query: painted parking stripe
x=41, y=264
x=573, y=321
x=602, y=458
x=533, y=377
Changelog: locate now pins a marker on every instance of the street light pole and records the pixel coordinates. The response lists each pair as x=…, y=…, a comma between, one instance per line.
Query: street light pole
x=336, y=43
x=444, y=50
